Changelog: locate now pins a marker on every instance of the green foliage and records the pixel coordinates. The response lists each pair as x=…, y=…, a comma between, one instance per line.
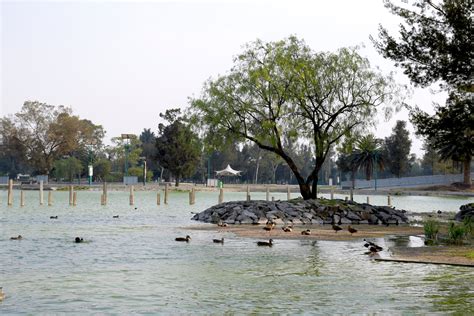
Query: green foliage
x=431, y=228
x=69, y=169
x=450, y=130
x=397, y=150
x=138, y=172
x=456, y=234
x=178, y=148
x=468, y=224
x=102, y=169
x=280, y=93
x=368, y=155
x=434, y=44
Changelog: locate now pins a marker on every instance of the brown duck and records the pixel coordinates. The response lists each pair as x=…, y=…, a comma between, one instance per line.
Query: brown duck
x=351, y=230
x=306, y=232
x=336, y=228
x=268, y=243
x=186, y=239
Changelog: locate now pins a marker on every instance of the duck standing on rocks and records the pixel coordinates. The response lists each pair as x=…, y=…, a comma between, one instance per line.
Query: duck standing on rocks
x=218, y=241
x=17, y=237
x=336, y=228
x=268, y=243
x=351, y=230
x=306, y=232
x=186, y=239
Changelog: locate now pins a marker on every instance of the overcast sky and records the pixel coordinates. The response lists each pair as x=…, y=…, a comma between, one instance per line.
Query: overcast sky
x=121, y=63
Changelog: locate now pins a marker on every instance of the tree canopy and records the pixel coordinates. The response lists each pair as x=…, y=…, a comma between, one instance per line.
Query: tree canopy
x=434, y=43
x=283, y=92
x=178, y=148
x=397, y=150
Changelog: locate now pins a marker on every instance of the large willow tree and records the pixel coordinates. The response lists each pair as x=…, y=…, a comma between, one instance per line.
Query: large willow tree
x=282, y=92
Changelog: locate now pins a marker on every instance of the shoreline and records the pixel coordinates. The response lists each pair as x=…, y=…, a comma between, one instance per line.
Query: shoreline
x=452, y=255
x=273, y=188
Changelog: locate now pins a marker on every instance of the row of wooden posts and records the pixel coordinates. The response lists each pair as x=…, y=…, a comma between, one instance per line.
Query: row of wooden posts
x=104, y=195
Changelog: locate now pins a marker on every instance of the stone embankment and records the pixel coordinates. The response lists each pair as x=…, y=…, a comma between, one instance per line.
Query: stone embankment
x=298, y=211
x=466, y=210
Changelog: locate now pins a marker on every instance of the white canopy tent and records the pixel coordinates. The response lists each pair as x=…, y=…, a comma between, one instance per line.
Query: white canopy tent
x=228, y=171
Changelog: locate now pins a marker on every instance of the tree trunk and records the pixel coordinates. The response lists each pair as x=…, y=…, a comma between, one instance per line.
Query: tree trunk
x=467, y=171
x=305, y=190
x=314, y=191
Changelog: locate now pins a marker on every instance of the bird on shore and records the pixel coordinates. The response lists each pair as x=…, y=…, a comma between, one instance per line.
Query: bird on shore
x=186, y=239
x=222, y=224
x=287, y=228
x=78, y=240
x=269, y=226
x=17, y=237
x=306, y=232
x=53, y=217
x=268, y=243
x=351, y=230
x=218, y=241
x=336, y=228
x=115, y=216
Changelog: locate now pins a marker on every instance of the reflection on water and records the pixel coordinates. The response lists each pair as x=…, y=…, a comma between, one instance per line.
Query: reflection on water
x=132, y=265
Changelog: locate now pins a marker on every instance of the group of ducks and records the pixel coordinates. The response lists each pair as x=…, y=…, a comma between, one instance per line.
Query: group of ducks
x=268, y=243
x=269, y=226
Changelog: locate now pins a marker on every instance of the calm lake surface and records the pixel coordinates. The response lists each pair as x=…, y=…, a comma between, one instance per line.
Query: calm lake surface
x=132, y=265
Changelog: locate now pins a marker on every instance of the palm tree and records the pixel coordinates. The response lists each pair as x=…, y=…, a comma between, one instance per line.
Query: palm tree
x=368, y=154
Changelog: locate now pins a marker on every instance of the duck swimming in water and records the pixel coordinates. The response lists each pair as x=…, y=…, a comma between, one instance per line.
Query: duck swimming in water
x=268, y=243
x=53, y=217
x=218, y=241
x=78, y=240
x=369, y=245
x=17, y=237
x=186, y=239
x=115, y=216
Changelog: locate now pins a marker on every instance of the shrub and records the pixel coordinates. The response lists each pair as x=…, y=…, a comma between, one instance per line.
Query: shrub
x=468, y=223
x=431, y=228
x=456, y=234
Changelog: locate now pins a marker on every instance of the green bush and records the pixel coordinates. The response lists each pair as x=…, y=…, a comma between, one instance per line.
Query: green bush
x=468, y=223
x=456, y=234
x=431, y=228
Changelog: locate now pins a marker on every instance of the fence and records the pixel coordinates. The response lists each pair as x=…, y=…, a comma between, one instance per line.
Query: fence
x=405, y=182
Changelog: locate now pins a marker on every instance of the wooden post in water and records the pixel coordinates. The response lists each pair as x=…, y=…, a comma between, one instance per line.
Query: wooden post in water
x=132, y=197
x=346, y=198
x=389, y=200
x=50, y=198
x=268, y=194
x=102, y=199
x=41, y=193
x=190, y=197
x=288, y=193
x=332, y=193
x=248, y=194
x=221, y=196
x=71, y=190
x=166, y=194
x=22, y=198
x=74, y=198
x=194, y=196
x=158, y=198
x=10, y=193
x=368, y=200
x=273, y=199
x=352, y=195
x=104, y=193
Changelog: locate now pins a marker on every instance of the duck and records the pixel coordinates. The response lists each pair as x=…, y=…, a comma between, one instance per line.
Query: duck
x=115, y=216
x=269, y=226
x=268, y=243
x=351, y=230
x=369, y=245
x=336, y=228
x=186, y=239
x=222, y=224
x=2, y=295
x=53, y=217
x=17, y=237
x=287, y=229
x=78, y=240
x=306, y=232
x=218, y=241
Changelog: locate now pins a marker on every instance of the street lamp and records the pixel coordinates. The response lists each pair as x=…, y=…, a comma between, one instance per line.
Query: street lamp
x=144, y=170
x=127, y=138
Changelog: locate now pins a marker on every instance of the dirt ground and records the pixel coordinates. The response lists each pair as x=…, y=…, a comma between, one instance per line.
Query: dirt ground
x=457, y=255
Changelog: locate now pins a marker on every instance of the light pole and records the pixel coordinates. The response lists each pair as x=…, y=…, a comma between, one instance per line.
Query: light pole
x=127, y=138
x=144, y=170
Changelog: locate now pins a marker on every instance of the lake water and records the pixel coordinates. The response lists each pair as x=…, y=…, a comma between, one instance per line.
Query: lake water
x=132, y=265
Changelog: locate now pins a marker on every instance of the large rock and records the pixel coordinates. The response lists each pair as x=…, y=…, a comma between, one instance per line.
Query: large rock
x=466, y=210
x=299, y=211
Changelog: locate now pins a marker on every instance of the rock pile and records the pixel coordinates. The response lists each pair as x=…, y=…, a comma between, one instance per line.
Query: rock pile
x=318, y=211
x=466, y=210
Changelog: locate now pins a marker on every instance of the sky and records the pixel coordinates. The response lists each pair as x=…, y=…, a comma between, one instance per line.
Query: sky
x=121, y=63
